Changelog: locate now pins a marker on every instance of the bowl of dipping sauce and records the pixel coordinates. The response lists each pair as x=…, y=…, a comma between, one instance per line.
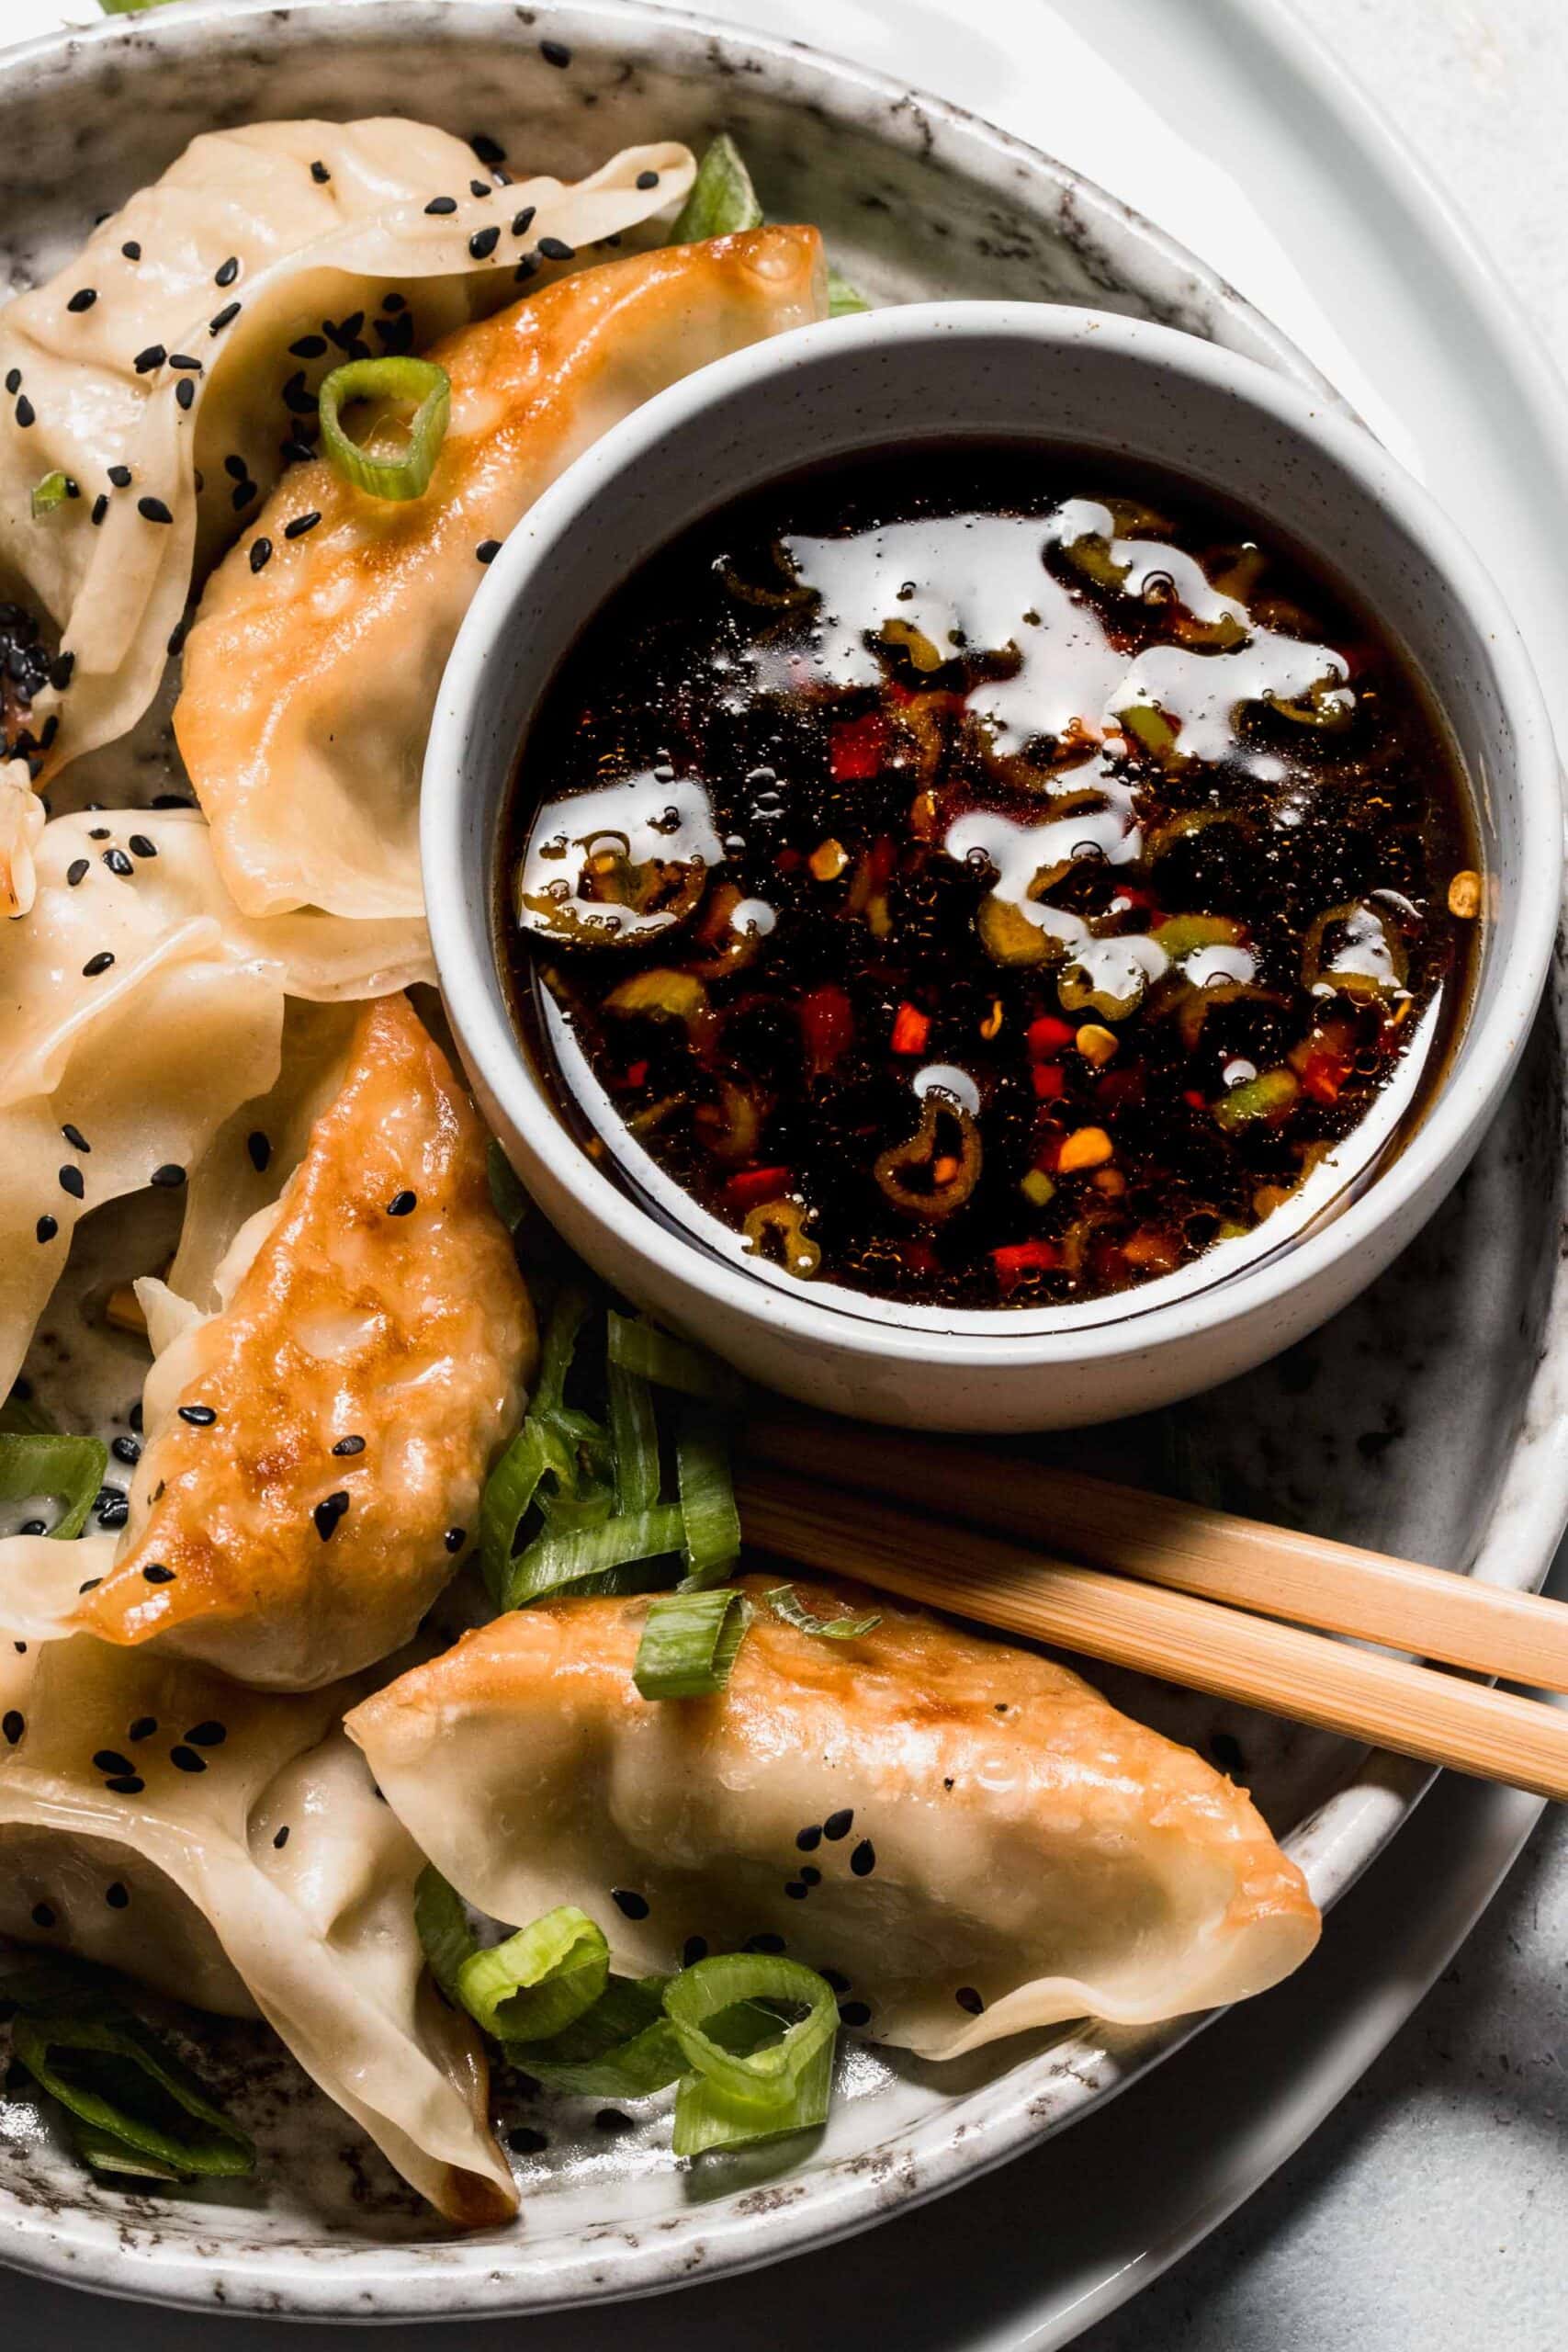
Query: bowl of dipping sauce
x=991, y=863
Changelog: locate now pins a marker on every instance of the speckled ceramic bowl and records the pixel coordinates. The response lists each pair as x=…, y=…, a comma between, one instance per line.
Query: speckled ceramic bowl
x=1428, y=1419
x=1085, y=380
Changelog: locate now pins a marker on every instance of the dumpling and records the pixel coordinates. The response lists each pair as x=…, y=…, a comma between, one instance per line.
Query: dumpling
x=311, y=672
x=315, y=1449
x=21, y=827
x=138, y=1010
x=968, y=1832
x=229, y=1850
x=254, y=241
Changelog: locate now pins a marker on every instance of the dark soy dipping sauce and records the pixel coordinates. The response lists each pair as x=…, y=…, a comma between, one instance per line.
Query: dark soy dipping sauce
x=987, y=877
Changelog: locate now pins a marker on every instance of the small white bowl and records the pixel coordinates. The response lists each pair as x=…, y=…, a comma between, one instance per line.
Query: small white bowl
x=989, y=372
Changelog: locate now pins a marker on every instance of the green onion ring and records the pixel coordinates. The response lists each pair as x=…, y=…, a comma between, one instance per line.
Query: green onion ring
x=420, y=383
x=689, y=1644
x=785, y=1603
x=763, y=2082
x=540, y=1980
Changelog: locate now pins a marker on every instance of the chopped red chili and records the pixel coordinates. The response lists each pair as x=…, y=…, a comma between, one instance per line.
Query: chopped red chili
x=1021, y=1259
x=1049, y=1081
x=912, y=1027
x=755, y=1185
x=1047, y=1037
x=856, y=746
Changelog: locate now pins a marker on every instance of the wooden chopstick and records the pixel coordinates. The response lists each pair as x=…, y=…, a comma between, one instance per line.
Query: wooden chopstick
x=1385, y=1701
x=1430, y=1611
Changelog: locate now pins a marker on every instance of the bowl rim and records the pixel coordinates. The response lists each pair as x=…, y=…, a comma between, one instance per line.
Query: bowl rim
x=1406, y=1187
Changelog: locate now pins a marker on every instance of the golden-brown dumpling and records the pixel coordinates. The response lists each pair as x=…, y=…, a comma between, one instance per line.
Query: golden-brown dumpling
x=311, y=673
x=315, y=1449
x=968, y=1832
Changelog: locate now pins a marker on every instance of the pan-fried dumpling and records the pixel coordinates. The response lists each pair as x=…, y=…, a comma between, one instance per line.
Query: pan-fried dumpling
x=229, y=1850
x=138, y=1010
x=968, y=1832
x=21, y=827
x=315, y=1450
x=256, y=240
x=313, y=669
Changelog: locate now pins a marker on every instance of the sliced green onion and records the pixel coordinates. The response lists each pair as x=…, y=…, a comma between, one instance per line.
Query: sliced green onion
x=669, y=1362
x=758, y=2085
x=843, y=298
x=418, y=383
x=703, y=2122
x=445, y=1935
x=507, y=1197
x=562, y=1332
x=722, y=197
x=69, y=1468
x=137, y=2106
x=508, y=1497
x=540, y=1980
x=689, y=1644
x=614, y=1550
x=785, y=1603
x=708, y=1516
x=634, y=1439
x=624, y=2047
x=51, y=491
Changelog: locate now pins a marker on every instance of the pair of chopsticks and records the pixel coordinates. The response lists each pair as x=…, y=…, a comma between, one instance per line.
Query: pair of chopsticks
x=1190, y=1595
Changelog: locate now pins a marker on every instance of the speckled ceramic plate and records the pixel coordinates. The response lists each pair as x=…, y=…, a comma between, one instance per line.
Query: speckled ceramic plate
x=1428, y=1419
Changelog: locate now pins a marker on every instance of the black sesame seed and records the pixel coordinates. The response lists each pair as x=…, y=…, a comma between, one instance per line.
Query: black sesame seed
x=117, y=1896
x=481, y=188
x=97, y=832
x=557, y=249
x=296, y=452
x=111, y=1506
x=797, y=1889
x=863, y=1861
x=121, y=477
x=60, y=671
x=77, y=871
x=403, y=1204
x=630, y=1906
x=126, y=1450
x=32, y=1527
x=223, y=317
x=183, y=359
x=281, y=1839
x=809, y=1839
x=648, y=179
x=767, y=1943
x=185, y=390
x=208, y=1733
x=525, y=269
x=143, y=1727
x=96, y=964
x=75, y=1138
x=46, y=1229
x=554, y=52
x=153, y=510
x=441, y=205
x=455, y=1537
x=13, y=381
x=346, y=332
x=100, y=506
x=169, y=1178
x=967, y=1999
x=200, y=1417
x=695, y=1948
x=227, y=271
x=236, y=468
x=320, y=173
x=309, y=346
x=839, y=1824
x=349, y=1445
x=134, y=1417
x=26, y=413
x=853, y=2013
x=83, y=299
x=301, y=523
x=610, y=2119
x=91, y=1585
x=394, y=302
x=483, y=243
x=126, y=1784
x=261, y=554
x=176, y=643
x=327, y=1514
x=810, y=1876
x=258, y=1147
x=118, y=862
x=297, y=399
x=488, y=151
x=523, y=2142
x=186, y=1759
x=487, y=550
x=153, y=357
x=142, y=846
x=156, y=1573
x=42, y=1915
x=131, y=250
x=13, y=1723
x=109, y=1759
x=523, y=222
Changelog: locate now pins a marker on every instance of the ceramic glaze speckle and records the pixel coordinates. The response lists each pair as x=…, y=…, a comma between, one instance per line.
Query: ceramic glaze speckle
x=1450, y=1364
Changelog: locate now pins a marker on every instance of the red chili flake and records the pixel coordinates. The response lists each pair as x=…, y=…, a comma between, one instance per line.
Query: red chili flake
x=635, y=1074
x=1049, y=1081
x=755, y=1185
x=1322, y=1077
x=1022, y=1257
x=912, y=1027
x=855, y=748
x=1047, y=1035
x=827, y=1024
x=1195, y=1097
